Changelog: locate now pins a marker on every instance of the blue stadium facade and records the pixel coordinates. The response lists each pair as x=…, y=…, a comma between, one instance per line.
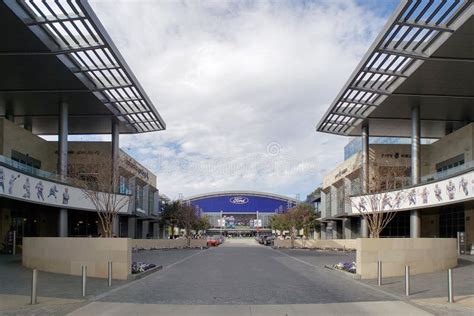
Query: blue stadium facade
x=241, y=210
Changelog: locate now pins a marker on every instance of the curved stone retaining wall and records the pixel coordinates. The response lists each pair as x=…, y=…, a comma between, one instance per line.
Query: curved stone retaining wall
x=423, y=255
x=67, y=255
x=318, y=243
x=167, y=243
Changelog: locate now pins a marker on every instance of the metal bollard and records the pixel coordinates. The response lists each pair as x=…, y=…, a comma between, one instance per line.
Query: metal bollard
x=407, y=280
x=379, y=273
x=14, y=243
x=84, y=280
x=109, y=273
x=33, y=287
x=450, y=286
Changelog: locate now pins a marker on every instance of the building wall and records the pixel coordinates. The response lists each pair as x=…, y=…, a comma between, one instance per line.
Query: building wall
x=451, y=145
x=14, y=137
x=67, y=255
x=423, y=255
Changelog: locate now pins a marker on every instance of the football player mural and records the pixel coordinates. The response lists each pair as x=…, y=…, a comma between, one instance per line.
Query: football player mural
x=451, y=189
x=412, y=197
x=65, y=196
x=424, y=195
x=463, y=185
x=26, y=187
x=52, y=191
x=2, y=180
x=39, y=190
x=438, y=192
x=11, y=183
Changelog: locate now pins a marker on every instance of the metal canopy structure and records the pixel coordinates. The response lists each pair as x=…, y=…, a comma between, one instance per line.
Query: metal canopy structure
x=58, y=51
x=423, y=57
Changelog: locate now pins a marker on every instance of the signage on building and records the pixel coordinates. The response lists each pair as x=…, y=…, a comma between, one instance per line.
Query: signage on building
x=340, y=173
x=239, y=200
x=396, y=155
x=139, y=171
x=448, y=191
x=136, y=169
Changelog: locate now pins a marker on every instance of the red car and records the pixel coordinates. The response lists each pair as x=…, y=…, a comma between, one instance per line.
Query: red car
x=213, y=241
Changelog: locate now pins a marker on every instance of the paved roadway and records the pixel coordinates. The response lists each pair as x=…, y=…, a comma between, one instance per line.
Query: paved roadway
x=242, y=278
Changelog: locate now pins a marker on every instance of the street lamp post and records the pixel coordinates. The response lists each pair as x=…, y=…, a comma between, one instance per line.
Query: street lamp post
x=258, y=233
x=221, y=222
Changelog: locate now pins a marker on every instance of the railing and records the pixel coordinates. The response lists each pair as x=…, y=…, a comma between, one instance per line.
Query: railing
x=30, y=170
x=447, y=173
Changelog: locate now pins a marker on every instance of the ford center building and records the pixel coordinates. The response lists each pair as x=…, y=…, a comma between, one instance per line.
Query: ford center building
x=240, y=212
x=415, y=82
x=62, y=75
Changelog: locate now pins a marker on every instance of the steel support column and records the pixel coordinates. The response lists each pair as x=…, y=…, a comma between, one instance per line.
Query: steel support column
x=115, y=150
x=364, y=228
x=115, y=167
x=323, y=231
x=415, y=222
x=365, y=180
x=365, y=159
x=62, y=161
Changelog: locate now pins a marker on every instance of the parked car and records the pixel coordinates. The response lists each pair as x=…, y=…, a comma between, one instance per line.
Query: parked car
x=263, y=239
x=213, y=241
x=269, y=240
x=259, y=239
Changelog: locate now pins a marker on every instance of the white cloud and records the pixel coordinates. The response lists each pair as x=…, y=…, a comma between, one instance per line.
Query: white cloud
x=232, y=79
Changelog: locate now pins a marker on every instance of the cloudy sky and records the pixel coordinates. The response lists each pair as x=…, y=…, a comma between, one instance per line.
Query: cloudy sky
x=241, y=86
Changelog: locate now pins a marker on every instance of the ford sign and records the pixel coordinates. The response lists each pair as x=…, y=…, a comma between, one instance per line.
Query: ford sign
x=239, y=200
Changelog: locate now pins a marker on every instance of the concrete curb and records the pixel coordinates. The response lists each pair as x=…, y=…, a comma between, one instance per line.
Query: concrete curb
x=137, y=276
x=347, y=274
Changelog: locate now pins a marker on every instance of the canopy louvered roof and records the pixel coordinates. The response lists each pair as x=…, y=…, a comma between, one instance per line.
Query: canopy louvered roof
x=423, y=57
x=58, y=51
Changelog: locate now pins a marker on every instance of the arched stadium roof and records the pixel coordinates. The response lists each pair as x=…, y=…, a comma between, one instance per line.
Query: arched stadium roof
x=244, y=192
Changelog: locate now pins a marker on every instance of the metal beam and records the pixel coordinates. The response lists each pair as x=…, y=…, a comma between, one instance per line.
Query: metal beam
x=54, y=52
x=415, y=55
x=52, y=19
x=430, y=26
x=90, y=69
x=385, y=72
x=356, y=116
x=44, y=91
x=428, y=95
x=132, y=113
x=377, y=91
x=358, y=102
x=332, y=123
x=124, y=101
x=112, y=87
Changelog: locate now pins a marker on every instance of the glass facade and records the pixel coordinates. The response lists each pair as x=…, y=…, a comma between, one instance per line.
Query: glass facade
x=139, y=197
x=451, y=221
x=398, y=227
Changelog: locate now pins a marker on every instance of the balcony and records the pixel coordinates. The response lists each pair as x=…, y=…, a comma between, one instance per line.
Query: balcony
x=18, y=166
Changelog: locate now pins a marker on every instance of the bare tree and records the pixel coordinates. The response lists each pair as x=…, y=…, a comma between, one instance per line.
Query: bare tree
x=203, y=223
x=386, y=194
x=301, y=216
x=186, y=219
x=100, y=185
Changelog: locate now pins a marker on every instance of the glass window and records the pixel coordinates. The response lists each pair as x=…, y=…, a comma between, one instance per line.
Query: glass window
x=139, y=197
x=451, y=221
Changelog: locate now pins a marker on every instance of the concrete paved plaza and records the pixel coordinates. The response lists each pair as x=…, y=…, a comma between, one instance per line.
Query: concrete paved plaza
x=239, y=277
